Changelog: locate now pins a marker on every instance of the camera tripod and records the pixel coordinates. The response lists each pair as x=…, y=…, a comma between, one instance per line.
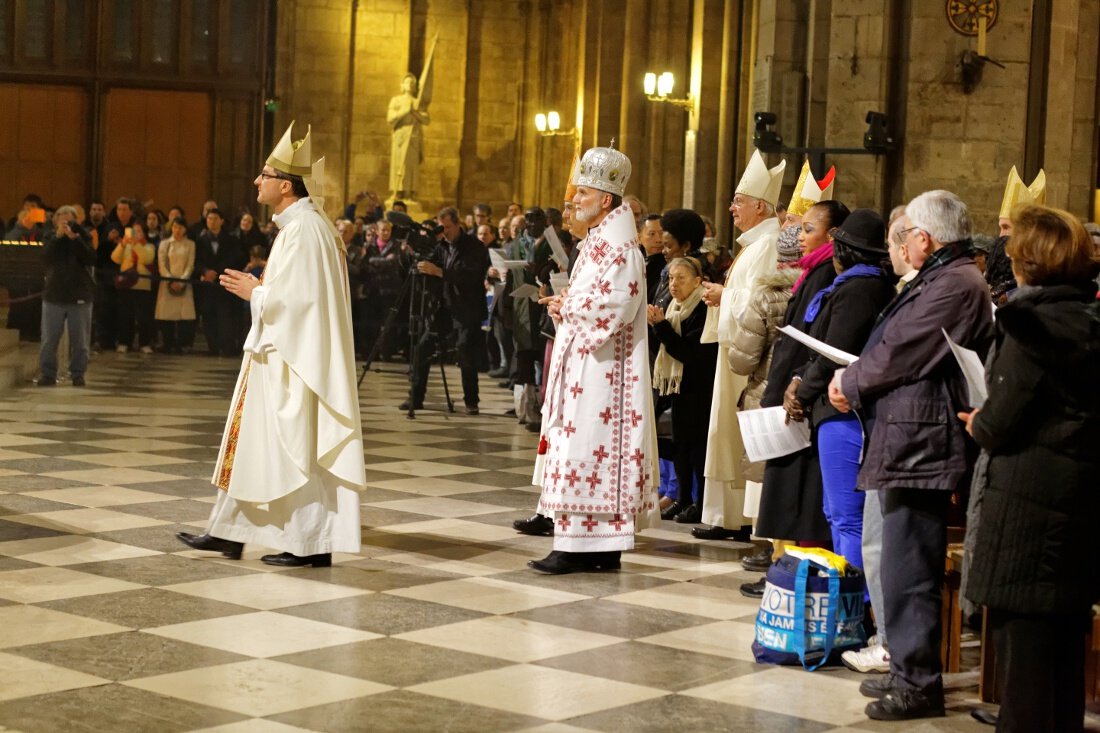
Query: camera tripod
x=420, y=300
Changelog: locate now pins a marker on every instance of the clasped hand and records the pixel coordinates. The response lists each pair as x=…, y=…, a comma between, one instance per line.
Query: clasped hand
x=791, y=404
x=553, y=305
x=654, y=314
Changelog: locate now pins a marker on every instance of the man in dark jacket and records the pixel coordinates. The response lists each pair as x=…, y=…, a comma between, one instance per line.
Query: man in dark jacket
x=222, y=317
x=66, y=297
x=907, y=389
x=462, y=262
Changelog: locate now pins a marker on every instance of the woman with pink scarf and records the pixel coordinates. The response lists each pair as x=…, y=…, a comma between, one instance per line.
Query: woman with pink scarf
x=791, y=509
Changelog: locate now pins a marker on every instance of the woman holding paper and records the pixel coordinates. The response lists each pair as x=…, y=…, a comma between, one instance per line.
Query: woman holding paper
x=842, y=315
x=1034, y=552
x=790, y=502
x=684, y=369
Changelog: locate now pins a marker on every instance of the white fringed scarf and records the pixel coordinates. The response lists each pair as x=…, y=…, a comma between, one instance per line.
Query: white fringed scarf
x=667, y=372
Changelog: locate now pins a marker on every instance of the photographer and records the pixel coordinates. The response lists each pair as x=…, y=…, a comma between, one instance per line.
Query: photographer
x=461, y=262
x=66, y=297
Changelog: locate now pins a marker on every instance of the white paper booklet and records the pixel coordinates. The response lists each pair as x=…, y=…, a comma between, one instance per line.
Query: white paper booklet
x=527, y=290
x=559, y=281
x=767, y=434
x=498, y=261
x=833, y=354
x=973, y=370
x=559, y=251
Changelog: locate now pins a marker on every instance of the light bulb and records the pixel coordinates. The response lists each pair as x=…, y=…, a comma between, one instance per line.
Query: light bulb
x=553, y=121
x=664, y=84
x=540, y=122
x=650, y=83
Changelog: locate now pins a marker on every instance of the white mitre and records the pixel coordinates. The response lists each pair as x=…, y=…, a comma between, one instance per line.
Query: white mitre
x=762, y=182
x=292, y=156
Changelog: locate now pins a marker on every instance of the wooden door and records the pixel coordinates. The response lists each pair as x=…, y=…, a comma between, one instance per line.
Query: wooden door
x=43, y=145
x=157, y=148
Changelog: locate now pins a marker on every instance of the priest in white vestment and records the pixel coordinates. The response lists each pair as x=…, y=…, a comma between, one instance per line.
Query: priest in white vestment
x=290, y=467
x=598, y=451
x=753, y=210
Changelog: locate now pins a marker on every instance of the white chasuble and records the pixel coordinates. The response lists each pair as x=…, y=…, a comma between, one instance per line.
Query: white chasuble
x=598, y=468
x=724, y=492
x=291, y=461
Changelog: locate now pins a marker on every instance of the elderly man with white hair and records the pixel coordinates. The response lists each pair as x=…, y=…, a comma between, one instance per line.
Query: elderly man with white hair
x=907, y=389
x=727, y=500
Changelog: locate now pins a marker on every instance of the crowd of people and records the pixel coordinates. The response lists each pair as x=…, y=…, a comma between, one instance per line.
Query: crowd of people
x=895, y=436
x=891, y=461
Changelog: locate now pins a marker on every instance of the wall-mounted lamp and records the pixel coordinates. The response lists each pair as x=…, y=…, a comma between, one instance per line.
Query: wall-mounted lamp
x=548, y=124
x=658, y=88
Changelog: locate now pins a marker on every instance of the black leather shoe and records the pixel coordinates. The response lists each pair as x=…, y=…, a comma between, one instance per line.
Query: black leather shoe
x=673, y=509
x=78, y=381
x=287, y=560
x=561, y=563
x=46, y=382
x=758, y=562
x=230, y=549
x=534, y=427
x=610, y=560
x=902, y=704
x=498, y=373
x=754, y=590
x=693, y=514
x=536, y=524
x=408, y=404
x=878, y=686
x=721, y=533
x=981, y=715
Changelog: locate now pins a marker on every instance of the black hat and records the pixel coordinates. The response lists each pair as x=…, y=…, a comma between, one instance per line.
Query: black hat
x=864, y=230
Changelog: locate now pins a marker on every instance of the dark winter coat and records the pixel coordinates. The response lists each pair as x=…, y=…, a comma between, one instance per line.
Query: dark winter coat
x=68, y=263
x=845, y=321
x=1034, y=550
x=908, y=387
x=691, y=406
x=791, y=501
x=788, y=354
x=465, y=263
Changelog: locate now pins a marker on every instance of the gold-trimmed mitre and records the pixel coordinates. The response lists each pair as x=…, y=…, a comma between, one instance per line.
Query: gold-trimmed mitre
x=761, y=182
x=808, y=191
x=570, y=187
x=605, y=169
x=292, y=156
x=1016, y=193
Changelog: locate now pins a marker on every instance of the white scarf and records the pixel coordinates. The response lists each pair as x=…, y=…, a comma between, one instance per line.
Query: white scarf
x=667, y=372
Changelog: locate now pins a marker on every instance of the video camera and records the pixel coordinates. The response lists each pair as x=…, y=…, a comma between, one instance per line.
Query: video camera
x=421, y=238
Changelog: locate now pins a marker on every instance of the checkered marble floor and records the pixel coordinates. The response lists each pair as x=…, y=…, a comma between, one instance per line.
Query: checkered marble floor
x=107, y=623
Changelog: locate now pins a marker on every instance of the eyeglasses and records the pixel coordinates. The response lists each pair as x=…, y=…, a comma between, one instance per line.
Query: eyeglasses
x=272, y=175
x=903, y=235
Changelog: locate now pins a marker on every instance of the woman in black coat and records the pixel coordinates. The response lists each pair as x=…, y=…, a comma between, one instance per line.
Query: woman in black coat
x=791, y=500
x=1034, y=558
x=684, y=370
x=842, y=315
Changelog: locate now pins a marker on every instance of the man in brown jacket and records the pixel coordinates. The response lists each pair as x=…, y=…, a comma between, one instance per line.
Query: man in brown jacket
x=907, y=389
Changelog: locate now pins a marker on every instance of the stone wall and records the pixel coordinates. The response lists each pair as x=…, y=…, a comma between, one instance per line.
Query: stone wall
x=945, y=137
x=819, y=64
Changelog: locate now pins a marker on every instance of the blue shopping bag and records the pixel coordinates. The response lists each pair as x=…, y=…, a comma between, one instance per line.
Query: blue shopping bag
x=812, y=610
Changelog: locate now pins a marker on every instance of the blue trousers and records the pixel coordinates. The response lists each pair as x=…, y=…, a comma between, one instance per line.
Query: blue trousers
x=839, y=441
x=54, y=317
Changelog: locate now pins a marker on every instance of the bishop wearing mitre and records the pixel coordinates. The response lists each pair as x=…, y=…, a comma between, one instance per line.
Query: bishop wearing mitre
x=290, y=467
x=597, y=452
